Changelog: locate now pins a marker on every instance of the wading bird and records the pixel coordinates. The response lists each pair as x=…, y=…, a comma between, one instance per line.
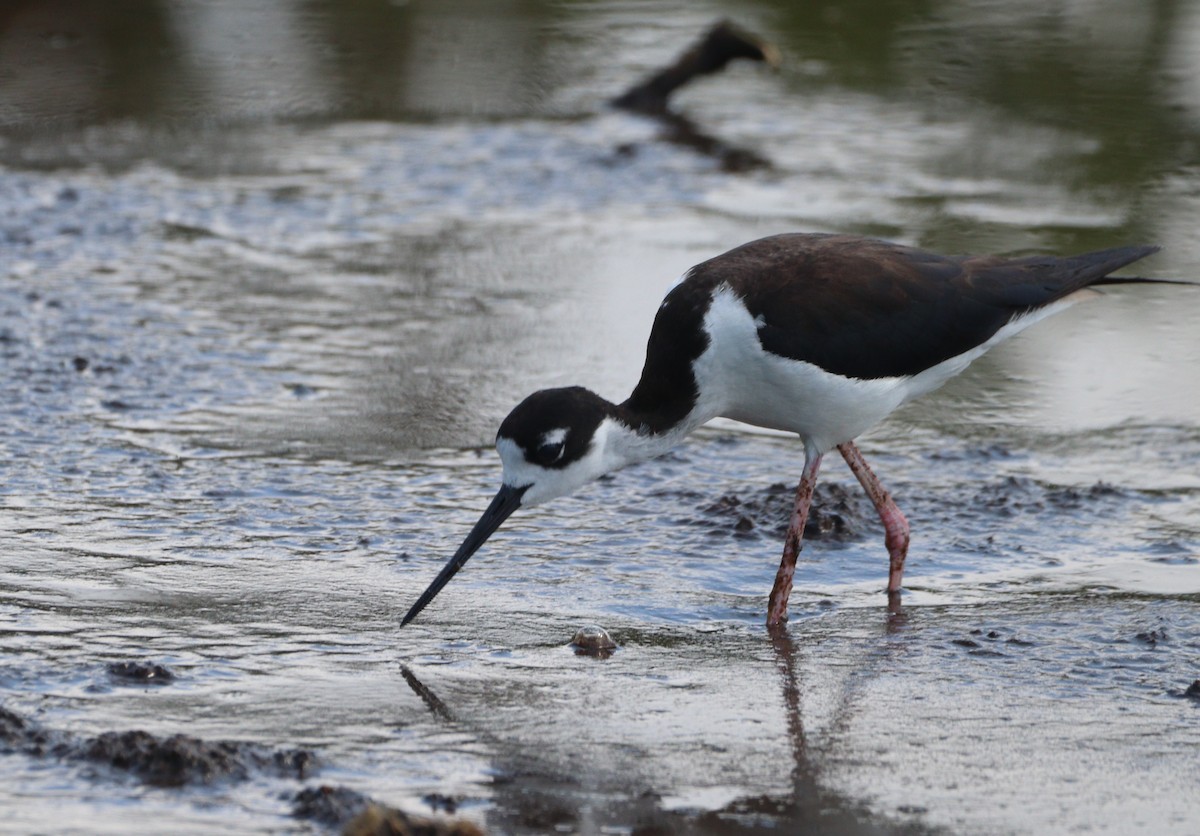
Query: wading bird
x=820, y=335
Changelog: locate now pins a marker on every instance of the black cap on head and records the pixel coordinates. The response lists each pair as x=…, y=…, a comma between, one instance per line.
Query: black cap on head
x=554, y=427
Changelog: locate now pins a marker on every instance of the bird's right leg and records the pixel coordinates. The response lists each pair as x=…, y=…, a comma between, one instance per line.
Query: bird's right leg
x=777, y=603
x=895, y=526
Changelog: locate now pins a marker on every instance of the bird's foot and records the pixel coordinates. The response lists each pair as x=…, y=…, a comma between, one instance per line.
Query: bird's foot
x=777, y=613
x=894, y=602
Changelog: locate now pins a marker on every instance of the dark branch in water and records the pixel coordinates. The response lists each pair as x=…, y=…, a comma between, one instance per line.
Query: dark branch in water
x=723, y=43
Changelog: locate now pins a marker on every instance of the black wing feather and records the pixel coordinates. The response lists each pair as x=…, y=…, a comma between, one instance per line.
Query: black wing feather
x=867, y=309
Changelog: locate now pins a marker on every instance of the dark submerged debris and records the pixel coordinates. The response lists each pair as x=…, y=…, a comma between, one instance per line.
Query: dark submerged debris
x=991, y=634
x=1193, y=691
x=158, y=761
x=145, y=672
x=996, y=635
x=1017, y=495
x=837, y=514
x=1151, y=638
x=723, y=43
x=986, y=642
x=984, y=453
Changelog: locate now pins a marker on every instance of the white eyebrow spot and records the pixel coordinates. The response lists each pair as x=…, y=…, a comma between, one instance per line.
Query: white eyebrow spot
x=553, y=437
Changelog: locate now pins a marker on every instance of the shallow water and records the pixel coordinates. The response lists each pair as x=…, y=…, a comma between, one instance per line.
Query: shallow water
x=267, y=291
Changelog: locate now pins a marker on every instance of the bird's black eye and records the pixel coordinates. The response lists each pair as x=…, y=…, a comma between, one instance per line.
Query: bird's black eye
x=549, y=453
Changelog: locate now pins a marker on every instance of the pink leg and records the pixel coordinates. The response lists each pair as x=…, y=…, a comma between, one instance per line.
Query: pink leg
x=894, y=524
x=777, y=603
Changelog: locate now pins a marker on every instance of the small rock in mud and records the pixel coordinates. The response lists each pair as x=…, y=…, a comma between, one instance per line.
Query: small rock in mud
x=27, y=736
x=333, y=806
x=144, y=672
x=180, y=759
x=440, y=802
x=593, y=640
x=358, y=814
x=164, y=762
x=836, y=514
x=379, y=820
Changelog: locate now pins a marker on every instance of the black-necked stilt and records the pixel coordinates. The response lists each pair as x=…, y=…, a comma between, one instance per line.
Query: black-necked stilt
x=820, y=335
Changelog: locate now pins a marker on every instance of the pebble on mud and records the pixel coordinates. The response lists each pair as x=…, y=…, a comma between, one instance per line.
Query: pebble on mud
x=593, y=640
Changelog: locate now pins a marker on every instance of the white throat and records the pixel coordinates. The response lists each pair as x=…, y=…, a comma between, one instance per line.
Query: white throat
x=613, y=446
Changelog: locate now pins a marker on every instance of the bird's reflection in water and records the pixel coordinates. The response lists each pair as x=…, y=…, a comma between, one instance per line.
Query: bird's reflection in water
x=811, y=807
x=803, y=780
x=530, y=792
x=436, y=707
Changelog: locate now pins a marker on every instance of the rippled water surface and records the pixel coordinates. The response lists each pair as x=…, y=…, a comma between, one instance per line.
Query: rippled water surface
x=272, y=273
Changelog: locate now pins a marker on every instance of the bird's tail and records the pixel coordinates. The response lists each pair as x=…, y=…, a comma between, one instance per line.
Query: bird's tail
x=1092, y=269
x=1143, y=280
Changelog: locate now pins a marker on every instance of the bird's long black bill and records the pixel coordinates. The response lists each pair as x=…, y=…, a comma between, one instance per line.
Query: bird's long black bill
x=506, y=501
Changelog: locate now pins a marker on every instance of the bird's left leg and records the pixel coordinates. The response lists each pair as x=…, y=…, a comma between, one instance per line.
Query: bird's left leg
x=894, y=524
x=777, y=603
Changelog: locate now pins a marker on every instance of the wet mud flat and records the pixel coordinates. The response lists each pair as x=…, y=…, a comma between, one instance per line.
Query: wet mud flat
x=294, y=702
x=251, y=370
x=1047, y=648
x=854, y=721
x=181, y=760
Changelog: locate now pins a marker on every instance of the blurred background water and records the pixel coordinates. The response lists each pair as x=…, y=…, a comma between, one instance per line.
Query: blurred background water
x=272, y=272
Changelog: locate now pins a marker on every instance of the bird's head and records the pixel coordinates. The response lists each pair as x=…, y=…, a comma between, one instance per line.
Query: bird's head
x=552, y=443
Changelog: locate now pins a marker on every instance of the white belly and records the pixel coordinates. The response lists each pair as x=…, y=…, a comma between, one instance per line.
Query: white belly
x=739, y=380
